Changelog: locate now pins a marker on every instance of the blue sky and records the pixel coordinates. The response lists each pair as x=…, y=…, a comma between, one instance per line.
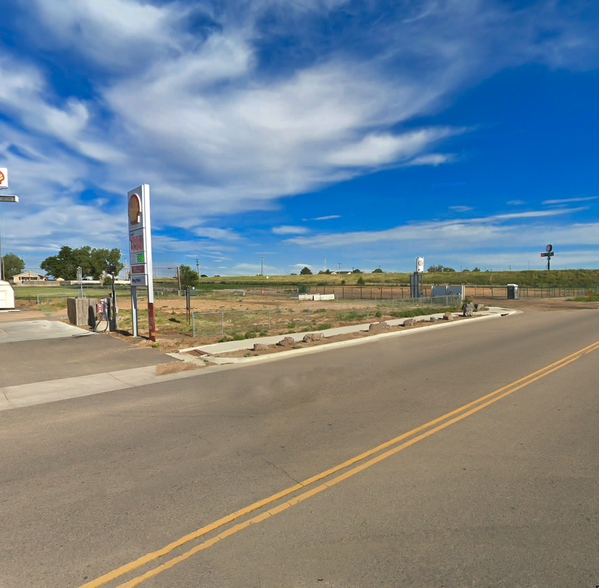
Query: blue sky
x=370, y=132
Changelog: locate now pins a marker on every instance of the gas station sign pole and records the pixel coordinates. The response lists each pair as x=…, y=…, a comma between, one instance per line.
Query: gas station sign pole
x=140, y=253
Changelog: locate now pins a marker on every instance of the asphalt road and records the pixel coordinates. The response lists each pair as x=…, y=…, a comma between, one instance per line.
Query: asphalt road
x=504, y=492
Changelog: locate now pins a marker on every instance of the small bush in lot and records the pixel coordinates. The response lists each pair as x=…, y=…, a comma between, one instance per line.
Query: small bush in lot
x=320, y=310
x=291, y=325
x=378, y=314
x=263, y=333
x=250, y=335
x=225, y=339
x=324, y=326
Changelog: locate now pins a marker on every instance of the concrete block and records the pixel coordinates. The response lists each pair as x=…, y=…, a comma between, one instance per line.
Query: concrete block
x=82, y=311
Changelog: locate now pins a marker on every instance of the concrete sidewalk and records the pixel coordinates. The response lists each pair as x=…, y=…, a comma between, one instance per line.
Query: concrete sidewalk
x=41, y=392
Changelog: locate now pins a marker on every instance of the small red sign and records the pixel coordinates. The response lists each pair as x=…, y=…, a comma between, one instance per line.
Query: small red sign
x=138, y=269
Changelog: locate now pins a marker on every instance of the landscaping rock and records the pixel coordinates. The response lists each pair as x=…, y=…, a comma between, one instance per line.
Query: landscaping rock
x=479, y=307
x=433, y=319
x=467, y=309
x=287, y=342
x=260, y=347
x=448, y=316
x=379, y=327
x=409, y=323
x=313, y=337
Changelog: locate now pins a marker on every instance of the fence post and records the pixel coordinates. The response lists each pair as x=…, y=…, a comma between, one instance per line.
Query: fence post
x=193, y=323
x=222, y=323
x=269, y=319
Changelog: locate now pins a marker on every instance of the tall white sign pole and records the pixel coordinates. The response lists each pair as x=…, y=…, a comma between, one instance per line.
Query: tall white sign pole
x=140, y=253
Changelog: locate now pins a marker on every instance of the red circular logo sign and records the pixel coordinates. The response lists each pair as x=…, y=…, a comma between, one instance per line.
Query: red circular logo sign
x=134, y=209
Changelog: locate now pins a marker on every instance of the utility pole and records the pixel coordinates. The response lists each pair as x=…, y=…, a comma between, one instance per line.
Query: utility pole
x=198, y=266
x=262, y=266
x=179, y=279
x=339, y=264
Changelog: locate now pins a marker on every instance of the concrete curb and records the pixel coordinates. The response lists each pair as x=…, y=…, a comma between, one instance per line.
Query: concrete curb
x=66, y=388
x=495, y=312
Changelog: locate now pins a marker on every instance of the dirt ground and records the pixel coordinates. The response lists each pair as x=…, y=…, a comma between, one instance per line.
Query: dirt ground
x=317, y=343
x=171, y=340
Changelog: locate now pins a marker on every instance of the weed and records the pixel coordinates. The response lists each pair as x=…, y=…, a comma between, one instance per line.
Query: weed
x=320, y=310
x=174, y=320
x=378, y=314
x=291, y=325
x=156, y=344
x=324, y=326
x=251, y=334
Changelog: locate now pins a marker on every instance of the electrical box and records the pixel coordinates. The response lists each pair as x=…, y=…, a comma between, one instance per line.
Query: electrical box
x=7, y=296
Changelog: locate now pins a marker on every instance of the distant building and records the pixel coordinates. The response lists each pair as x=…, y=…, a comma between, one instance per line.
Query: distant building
x=335, y=272
x=27, y=277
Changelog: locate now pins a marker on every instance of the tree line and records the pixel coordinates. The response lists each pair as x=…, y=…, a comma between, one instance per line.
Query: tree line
x=93, y=262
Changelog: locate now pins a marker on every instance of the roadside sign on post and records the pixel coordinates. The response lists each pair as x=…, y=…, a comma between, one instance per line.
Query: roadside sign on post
x=140, y=252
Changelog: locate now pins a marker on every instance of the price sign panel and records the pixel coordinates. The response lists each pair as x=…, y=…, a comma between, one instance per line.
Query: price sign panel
x=140, y=236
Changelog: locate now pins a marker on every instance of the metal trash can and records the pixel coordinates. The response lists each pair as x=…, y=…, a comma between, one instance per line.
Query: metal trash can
x=512, y=291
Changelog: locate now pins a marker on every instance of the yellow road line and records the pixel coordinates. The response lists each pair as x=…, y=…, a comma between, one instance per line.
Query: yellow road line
x=471, y=408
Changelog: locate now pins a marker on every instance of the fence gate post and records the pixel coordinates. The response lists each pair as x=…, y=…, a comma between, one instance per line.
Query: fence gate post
x=222, y=323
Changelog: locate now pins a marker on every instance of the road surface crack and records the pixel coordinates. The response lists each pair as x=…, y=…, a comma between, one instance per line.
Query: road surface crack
x=282, y=470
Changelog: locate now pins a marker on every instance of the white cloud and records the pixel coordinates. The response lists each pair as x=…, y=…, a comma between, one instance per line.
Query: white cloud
x=289, y=230
x=214, y=128
x=461, y=208
x=568, y=200
x=321, y=218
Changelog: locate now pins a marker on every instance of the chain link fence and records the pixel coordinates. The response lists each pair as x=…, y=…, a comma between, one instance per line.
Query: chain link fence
x=246, y=324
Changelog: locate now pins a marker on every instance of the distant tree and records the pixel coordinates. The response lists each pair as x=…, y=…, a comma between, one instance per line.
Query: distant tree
x=476, y=269
x=189, y=277
x=293, y=274
x=328, y=271
x=105, y=262
x=12, y=265
x=93, y=262
x=360, y=281
x=448, y=269
x=378, y=270
x=203, y=276
x=435, y=268
x=306, y=271
x=356, y=271
x=216, y=275
x=343, y=282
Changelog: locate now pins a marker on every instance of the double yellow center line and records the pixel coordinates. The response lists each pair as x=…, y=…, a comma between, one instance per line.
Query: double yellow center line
x=360, y=463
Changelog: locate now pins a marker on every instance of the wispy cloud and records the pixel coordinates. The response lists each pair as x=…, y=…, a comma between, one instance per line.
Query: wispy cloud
x=461, y=208
x=289, y=230
x=321, y=218
x=568, y=200
x=516, y=202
